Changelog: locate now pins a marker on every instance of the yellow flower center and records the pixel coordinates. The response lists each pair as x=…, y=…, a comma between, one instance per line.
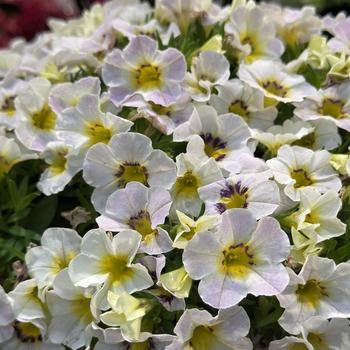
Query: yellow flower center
x=274, y=88
x=159, y=109
x=307, y=141
x=310, y=293
x=81, y=309
x=98, y=133
x=116, y=267
x=142, y=224
x=253, y=41
x=236, y=200
x=8, y=106
x=203, y=338
x=131, y=172
x=148, y=77
x=45, y=119
x=59, y=163
x=301, y=178
x=187, y=184
x=240, y=108
x=61, y=262
x=27, y=332
x=237, y=260
x=189, y=234
x=298, y=346
x=317, y=341
x=333, y=108
x=214, y=147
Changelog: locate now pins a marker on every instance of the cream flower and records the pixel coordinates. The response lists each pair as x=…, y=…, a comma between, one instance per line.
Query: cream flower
x=6, y=318
x=127, y=157
x=140, y=69
x=198, y=329
x=58, y=247
x=298, y=168
x=141, y=209
x=241, y=257
x=320, y=289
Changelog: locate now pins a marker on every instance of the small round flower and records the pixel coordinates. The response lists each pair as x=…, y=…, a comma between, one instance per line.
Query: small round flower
x=241, y=257
x=198, y=329
x=322, y=288
x=127, y=157
x=141, y=209
x=298, y=168
x=142, y=70
x=275, y=82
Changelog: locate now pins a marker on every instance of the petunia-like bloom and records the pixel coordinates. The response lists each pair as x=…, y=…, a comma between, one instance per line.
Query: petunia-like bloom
x=341, y=40
x=142, y=71
x=192, y=173
x=36, y=127
x=239, y=98
x=317, y=333
x=85, y=125
x=67, y=95
x=298, y=168
x=62, y=165
x=6, y=317
x=58, y=247
x=241, y=257
x=198, y=329
x=212, y=136
x=109, y=262
x=127, y=157
x=208, y=70
x=142, y=209
x=253, y=192
x=332, y=103
x=251, y=32
x=69, y=308
x=275, y=82
x=322, y=288
x=176, y=282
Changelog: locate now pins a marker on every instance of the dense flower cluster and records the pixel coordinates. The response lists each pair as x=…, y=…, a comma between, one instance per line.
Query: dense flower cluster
x=215, y=143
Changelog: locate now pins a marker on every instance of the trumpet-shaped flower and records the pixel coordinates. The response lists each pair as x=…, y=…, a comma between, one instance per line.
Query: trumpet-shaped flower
x=176, y=282
x=298, y=168
x=142, y=70
x=58, y=247
x=275, y=82
x=127, y=157
x=198, y=329
x=142, y=209
x=107, y=261
x=320, y=289
x=239, y=98
x=241, y=257
x=208, y=70
x=255, y=193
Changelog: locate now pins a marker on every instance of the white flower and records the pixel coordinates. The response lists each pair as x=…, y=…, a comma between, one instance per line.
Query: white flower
x=198, y=329
x=192, y=173
x=251, y=32
x=142, y=209
x=140, y=70
x=253, y=192
x=241, y=257
x=239, y=98
x=298, y=168
x=332, y=103
x=275, y=82
x=208, y=70
x=211, y=136
x=58, y=247
x=62, y=165
x=36, y=126
x=6, y=317
x=127, y=157
x=322, y=288
x=69, y=308
x=107, y=261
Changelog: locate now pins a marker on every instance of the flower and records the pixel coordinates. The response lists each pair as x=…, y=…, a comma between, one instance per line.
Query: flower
x=142, y=209
x=198, y=329
x=6, y=318
x=320, y=289
x=141, y=70
x=241, y=257
x=127, y=157
x=176, y=282
x=298, y=168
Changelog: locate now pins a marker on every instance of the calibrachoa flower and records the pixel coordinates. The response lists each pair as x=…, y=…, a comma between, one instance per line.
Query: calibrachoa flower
x=320, y=289
x=127, y=157
x=142, y=71
x=298, y=168
x=142, y=209
x=241, y=257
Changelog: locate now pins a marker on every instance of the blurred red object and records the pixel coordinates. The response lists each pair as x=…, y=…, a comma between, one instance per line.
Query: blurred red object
x=25, y=18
